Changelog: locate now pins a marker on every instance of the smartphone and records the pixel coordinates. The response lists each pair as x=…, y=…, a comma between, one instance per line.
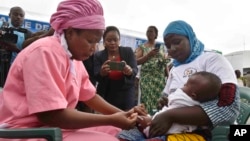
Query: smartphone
x=116, y=65
x=157, y=45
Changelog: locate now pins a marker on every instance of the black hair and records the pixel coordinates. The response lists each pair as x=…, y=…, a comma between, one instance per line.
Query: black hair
x=155, y=29
x=214, y=86
x=110, y=28
x=214, y=80
x=237, y=73
x=14, y=8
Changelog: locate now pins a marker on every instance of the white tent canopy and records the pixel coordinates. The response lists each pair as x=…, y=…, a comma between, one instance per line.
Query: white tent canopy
x=220, y=25
x=41, y=10
x=37, y=10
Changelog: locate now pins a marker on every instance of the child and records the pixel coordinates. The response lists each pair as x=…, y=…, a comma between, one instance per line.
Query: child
x=200, y=87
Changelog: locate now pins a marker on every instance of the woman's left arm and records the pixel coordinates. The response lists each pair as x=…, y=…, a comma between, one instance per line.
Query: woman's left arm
x=192, y=115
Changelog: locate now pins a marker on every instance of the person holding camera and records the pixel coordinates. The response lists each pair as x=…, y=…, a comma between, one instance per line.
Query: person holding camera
x=12, y=36
x=115, y=70
x=153, y=60
x=16, y=22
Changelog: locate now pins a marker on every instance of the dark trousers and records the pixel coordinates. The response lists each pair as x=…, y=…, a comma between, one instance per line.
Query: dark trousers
x=4, y=65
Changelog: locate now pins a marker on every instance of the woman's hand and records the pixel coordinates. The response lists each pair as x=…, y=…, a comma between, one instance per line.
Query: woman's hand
x=124, y=120
x=127, y=70
x=153, y=52
x=143, y=122
x=160, y=125
x=140, y=109
x=105, y=69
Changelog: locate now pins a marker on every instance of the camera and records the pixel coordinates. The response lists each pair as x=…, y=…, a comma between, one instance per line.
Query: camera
x=7, y=34
x=157, y=46
x=116, y=65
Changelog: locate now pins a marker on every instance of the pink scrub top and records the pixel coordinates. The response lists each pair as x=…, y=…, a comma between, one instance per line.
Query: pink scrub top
x=44, y=78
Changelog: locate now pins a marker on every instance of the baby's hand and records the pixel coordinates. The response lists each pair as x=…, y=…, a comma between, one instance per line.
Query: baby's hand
x=163, y=101
x=143, y=122
x=140, y=109
x=124, y=120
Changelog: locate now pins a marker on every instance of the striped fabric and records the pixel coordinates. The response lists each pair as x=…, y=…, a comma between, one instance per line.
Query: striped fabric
x=218, y=115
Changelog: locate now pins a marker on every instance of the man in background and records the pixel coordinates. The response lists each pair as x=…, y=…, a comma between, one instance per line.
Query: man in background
x=240, y=80
x=9, y=46
x=247, y=79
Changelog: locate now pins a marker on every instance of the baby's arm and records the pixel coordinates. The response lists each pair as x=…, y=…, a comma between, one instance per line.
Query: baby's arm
x=163, y=101
x=145, y=125
x=143, y=122
x=146, y=131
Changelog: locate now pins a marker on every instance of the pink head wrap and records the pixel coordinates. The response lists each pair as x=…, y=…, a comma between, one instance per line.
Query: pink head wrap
x=81, y=14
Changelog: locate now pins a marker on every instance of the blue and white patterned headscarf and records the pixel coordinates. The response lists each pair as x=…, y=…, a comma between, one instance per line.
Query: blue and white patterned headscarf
x=182, y=28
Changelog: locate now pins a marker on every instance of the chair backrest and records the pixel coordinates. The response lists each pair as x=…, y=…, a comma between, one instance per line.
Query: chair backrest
x=245, y=94
x=50, y=134
x=244, y=105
